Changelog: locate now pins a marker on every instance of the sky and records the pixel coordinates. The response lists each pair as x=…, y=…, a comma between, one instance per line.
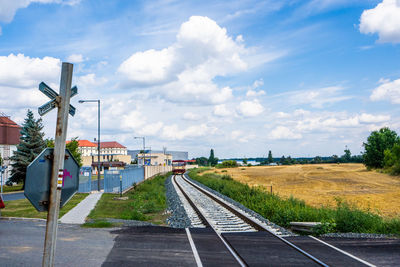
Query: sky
x=299, y=78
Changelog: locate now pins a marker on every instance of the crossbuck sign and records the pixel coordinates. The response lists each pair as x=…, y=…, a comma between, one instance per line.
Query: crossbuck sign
x=50, y=93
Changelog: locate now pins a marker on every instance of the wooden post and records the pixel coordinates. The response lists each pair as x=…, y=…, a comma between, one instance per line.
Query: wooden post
x=58, y=164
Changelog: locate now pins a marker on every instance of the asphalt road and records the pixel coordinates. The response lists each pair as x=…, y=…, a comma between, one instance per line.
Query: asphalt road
x=13, y=196
x=21, y=244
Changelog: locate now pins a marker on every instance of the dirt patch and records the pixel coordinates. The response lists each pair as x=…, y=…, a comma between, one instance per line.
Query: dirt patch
x=323, y=183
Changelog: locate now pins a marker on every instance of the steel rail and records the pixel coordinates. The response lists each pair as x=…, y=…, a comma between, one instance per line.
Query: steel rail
x=206, y=222
x=241, y=214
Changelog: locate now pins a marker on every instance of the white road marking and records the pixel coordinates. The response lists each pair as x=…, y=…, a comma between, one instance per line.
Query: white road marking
x=344, y=252
x=194, y=249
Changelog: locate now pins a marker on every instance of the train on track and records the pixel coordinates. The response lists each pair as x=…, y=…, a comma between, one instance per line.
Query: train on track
x=178, y=167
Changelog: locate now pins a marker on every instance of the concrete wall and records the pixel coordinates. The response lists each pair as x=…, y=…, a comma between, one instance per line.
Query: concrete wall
x=154, y=170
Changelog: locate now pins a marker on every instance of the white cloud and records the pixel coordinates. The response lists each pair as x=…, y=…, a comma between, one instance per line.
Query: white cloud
x=90, y=80
x=253, y=93
x=185, y=70
x=388, y=90
x=25, y=72
x=370, y=118
x=240, y=136
x=250, y=108
x=75, y=58
x=302, y=121
x=151, y=129
x=384, y=20
x=283, y=133
x=190, y=116
x=317, y=98
x=221, y=111
x=8, y=8
x=172, y=132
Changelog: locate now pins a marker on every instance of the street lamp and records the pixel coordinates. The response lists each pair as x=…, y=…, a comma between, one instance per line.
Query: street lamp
x=98, y=139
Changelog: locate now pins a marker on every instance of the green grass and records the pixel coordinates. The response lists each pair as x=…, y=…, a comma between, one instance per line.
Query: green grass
x=146, y=202
x=23, y=208
x=98, y=224
x=343, y=218
x=17, y=187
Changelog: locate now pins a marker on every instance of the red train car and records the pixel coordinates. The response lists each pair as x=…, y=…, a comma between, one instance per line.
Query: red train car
x=178, y=166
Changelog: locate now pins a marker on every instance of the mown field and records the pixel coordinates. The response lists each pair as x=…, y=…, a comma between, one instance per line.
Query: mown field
x=323, y=184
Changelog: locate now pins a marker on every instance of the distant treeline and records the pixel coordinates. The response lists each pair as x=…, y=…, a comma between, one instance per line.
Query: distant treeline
x=382, y=152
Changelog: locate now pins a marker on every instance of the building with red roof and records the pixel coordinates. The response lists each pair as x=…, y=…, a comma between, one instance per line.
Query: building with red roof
x=9, y=139
x=111, y=153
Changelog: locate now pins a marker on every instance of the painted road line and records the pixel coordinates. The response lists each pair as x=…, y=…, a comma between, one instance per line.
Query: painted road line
x=195, y=253
x=344, y=252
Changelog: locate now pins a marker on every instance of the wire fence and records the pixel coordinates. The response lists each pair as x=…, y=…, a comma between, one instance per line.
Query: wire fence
x=116, y=181
x=85, y=180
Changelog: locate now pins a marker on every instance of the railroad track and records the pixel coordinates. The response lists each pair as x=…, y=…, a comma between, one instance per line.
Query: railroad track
x=208, y=210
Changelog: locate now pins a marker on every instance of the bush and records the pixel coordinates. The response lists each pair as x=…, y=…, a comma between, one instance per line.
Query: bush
x=227, y=164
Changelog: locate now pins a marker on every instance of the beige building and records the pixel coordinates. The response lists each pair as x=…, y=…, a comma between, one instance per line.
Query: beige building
x=155, y=159
x=112, y=154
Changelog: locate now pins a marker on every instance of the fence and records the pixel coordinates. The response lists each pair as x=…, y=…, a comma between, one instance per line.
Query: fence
x=117, y=180
x=85, y=180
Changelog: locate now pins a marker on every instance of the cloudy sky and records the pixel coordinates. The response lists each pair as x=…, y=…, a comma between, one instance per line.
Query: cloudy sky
x=300, y=78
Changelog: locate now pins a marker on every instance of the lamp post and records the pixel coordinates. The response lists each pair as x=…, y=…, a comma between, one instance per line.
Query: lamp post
x=98, y=139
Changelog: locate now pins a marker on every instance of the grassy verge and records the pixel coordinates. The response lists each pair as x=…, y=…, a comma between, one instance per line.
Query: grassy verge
x=23, y=208
x=146, y=202
x=343, y=218
x=7, y=189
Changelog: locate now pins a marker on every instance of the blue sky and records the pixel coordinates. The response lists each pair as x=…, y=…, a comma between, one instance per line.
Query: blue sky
x=300, y=78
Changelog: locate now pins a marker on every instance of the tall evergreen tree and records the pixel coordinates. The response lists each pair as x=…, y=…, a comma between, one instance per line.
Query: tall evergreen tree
x=212, y=160
x=270, y=158
x=30, y=145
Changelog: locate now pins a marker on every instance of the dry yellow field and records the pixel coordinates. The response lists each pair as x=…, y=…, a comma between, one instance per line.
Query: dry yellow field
x=320, y=184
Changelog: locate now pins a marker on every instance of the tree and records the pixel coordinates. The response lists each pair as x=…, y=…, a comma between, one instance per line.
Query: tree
x=282, y=160
x=245, y=161
x=202, y=161
x=212, y=160
x=392, y=160
x=335, y=159
x=72, y=146
x=30, y=145
x=1, y=161
x=347, y=156
x=375, y=147
x=270, y=158
x=317, y=159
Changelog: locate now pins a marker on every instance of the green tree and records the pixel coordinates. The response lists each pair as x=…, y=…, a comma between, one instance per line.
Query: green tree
x=30, y=145
x=375, y=147
x=212, y=160
x=1, y=161
x=270, y=158
x=202, y=161
x=282, y=160
x=392, y=160
x=72, y=146
x=245, y=161
x=347, y=156
x=317, y=159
